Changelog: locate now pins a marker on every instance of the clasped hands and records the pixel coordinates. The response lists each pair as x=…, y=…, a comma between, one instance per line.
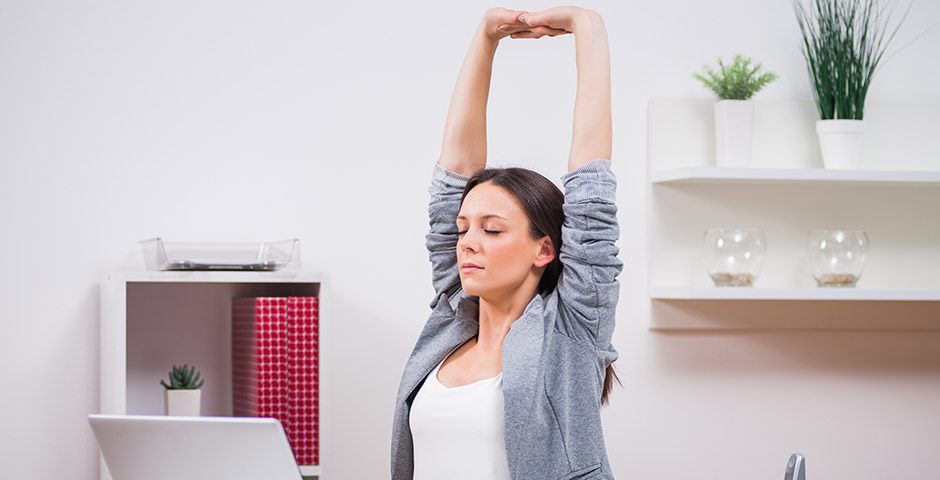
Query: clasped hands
x=501, y=22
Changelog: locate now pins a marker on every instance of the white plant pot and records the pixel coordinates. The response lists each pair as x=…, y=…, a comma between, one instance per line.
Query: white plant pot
x=841, y=142
x=182, y=402
x=733, y=132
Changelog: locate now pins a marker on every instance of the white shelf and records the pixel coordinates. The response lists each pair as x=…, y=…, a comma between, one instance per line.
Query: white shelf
x=797, y=294
x=812, y=308
x=220, y=277
x=310, y=470
x=142, y=313
x=788, y=175
x=786, y=191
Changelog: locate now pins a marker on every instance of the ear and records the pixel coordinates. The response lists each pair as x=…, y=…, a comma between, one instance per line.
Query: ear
x=545, y=253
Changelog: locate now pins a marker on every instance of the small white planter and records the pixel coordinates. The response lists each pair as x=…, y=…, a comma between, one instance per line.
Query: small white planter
x=733, y=132
x=841, y=142
x=182, y=402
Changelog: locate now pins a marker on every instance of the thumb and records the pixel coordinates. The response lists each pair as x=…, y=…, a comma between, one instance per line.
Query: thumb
x=510, y=16
x=528, y=18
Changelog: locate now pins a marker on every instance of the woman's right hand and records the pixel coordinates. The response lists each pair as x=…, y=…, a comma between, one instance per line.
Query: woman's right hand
x=499, y=23
x=557, y=19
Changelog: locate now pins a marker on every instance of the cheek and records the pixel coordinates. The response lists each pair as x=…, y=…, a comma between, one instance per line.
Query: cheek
x=512, y=252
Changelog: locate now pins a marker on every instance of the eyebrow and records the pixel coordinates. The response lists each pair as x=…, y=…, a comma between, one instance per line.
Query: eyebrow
x=484, y=217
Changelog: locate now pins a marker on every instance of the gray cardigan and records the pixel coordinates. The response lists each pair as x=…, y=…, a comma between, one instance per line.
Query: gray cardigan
x=555, y=354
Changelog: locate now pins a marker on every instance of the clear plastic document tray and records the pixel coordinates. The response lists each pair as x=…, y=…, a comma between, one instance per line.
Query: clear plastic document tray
x=239, y=256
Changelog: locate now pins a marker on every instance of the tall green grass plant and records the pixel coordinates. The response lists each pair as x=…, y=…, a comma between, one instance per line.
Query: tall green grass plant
x=843, y=42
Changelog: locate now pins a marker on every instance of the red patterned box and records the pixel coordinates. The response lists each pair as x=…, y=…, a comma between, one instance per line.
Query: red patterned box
x=275, y=367
x=259, y=357
x=303, y=378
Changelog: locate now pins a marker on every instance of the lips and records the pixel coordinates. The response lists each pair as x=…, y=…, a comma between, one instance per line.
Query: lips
x=470, y=267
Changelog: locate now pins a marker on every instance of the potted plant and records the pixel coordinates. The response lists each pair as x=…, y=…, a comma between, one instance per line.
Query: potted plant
x=734, y=85
x=843, y=41
x=182, y=395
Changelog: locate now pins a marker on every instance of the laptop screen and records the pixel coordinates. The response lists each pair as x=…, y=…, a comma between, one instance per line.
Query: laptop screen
x=139, y=447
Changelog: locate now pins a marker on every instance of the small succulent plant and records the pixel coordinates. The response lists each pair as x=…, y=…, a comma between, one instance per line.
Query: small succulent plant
x=736, y=81
x=184, y=377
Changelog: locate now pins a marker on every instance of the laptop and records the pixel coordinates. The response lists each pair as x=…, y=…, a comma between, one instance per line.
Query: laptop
x=150, y=447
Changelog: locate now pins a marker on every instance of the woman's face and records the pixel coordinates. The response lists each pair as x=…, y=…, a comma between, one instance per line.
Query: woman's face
x=495, y=252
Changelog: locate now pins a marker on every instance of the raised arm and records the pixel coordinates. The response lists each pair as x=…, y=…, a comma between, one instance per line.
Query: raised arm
x=588, y=288
x=592, y=133
x=464, y=147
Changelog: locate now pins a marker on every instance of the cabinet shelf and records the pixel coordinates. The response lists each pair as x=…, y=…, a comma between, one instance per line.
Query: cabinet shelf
x=220, y=277
x=792, y=175
x=143, y=314
x=310, y=470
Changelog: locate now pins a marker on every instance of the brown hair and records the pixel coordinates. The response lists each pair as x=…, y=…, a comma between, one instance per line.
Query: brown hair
x=542, y=203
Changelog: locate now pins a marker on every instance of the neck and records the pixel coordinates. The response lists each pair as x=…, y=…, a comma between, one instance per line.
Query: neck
x=497, y=315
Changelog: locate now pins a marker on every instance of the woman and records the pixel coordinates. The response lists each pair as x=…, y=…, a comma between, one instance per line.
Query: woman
x=508, y=376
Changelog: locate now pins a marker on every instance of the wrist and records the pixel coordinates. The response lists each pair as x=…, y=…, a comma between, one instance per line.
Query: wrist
x=584, y=20
x=483, y=38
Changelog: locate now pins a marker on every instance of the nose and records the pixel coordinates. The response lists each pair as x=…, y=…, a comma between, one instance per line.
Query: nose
x=468, y=242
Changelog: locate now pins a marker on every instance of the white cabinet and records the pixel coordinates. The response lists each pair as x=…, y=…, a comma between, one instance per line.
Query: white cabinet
x=152, y=320
x=895, y=198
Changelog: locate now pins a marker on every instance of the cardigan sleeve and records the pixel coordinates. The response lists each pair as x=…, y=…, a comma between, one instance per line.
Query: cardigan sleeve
x=441, y=240
x=588, y=288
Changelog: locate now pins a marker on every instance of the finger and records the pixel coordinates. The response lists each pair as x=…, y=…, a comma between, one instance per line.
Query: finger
x=510, y=29
x=512, y=19
x=543, y=30
x=525, y=34
x=508, y=16
x=533, y=19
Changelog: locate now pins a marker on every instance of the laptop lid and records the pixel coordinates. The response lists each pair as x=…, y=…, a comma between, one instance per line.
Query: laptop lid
x=139, y=447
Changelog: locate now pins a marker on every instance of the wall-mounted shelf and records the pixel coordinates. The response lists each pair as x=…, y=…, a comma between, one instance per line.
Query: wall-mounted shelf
x=151, y=320
x=797, y=294
x=786, y=192
x=792, y=175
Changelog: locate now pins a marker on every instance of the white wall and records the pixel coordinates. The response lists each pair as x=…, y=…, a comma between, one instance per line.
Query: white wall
x=240, y=120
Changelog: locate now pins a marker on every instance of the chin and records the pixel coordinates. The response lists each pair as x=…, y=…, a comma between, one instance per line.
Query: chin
x=470, y=289
x=473, y=288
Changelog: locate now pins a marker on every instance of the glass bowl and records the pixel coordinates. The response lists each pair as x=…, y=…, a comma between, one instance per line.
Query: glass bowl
x=837, y=257
x=734, y=256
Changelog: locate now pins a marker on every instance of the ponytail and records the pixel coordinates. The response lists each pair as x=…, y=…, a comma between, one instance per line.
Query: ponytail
x=609, y=377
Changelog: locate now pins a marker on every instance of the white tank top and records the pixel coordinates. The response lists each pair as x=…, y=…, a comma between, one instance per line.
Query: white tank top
x=458, y=432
